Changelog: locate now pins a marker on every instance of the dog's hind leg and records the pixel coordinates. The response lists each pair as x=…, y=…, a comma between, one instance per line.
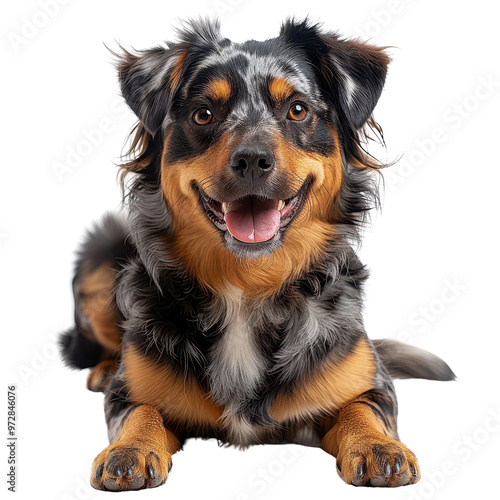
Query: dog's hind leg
x=365, y=441
x=100, y=375
x=95, y=341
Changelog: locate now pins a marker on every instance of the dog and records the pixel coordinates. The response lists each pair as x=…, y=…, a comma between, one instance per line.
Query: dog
x=228, y=303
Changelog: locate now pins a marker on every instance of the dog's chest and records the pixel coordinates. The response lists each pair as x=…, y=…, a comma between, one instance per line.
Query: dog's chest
x=237, y=369
x=236, y=364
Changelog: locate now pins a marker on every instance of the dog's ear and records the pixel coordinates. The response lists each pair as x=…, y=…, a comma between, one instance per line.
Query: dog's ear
x=351, y=73
x=150, y=78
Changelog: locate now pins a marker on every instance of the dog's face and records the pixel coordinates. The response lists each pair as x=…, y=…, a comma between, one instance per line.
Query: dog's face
x=253, y=134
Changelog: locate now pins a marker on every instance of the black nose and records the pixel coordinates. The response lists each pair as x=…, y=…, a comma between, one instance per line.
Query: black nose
x=252, y=162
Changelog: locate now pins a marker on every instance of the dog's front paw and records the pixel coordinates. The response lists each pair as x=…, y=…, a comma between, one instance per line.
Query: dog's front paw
x=377, y=462
x=126, y=466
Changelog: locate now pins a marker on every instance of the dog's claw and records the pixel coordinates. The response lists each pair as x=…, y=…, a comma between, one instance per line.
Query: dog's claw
x=99, y=471
x=151, y=472
x=384, y=462
x=361, y=469
x=122, y=468
x=387, y=469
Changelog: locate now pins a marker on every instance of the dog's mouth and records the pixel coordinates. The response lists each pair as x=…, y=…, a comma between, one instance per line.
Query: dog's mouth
x=253, y=219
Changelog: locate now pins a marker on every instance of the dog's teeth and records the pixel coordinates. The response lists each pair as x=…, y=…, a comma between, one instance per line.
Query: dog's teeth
x=224, y=208
x=281, y=205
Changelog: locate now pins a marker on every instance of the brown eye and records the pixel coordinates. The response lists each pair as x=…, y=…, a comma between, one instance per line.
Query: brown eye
x=297, y=112
x=203, y=116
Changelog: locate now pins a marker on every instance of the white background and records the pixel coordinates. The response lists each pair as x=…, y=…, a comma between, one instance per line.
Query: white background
x=433, y=251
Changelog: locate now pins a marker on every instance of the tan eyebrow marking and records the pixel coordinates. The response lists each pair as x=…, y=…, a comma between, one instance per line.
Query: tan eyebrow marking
x=280, y=89
x=177, y=68
x=219, y=89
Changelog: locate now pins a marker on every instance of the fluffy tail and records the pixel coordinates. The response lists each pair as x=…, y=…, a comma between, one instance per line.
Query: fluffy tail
x=406, y=361
x=96, y=335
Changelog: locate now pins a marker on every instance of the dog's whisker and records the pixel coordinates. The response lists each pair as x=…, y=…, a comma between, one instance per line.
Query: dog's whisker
x=176, y=201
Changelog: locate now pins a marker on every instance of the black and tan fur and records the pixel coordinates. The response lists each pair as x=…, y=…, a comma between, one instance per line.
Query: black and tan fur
x=192, y=332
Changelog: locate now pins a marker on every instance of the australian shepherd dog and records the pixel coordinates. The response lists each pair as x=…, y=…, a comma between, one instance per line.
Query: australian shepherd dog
x=227, y=304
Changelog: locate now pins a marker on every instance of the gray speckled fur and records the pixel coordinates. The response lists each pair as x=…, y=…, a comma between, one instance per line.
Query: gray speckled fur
x=243, y=353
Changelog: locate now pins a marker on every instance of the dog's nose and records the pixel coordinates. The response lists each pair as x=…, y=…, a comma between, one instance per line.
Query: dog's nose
x=252, y=162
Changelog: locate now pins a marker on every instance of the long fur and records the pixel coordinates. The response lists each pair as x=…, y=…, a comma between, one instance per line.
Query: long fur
x=244, y=351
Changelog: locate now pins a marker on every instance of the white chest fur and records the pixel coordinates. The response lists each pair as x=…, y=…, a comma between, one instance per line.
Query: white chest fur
x=236, y=363
x=237, y=367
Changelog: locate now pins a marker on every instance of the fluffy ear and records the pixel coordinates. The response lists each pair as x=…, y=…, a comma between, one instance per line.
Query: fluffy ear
x=150, y=78
x=351, y=73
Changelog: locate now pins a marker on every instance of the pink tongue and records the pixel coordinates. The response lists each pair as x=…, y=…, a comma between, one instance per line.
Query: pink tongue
x=252, y=220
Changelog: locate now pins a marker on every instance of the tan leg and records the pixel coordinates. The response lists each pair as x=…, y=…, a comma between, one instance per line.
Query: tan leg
x=365, y=442
x=140, y=458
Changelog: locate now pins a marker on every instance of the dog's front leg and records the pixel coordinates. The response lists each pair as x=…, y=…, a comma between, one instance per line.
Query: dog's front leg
x=365, y=441
x=140, y=457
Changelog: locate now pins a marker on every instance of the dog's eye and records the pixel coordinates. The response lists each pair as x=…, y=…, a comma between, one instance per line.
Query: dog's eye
x=297, y=112
x=203, y=116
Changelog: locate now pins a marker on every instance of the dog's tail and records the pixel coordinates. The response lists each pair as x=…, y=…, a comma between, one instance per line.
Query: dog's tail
x=96, y=336
x=406, y=361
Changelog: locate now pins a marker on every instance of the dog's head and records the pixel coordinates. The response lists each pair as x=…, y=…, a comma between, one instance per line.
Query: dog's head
x=252, y=140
